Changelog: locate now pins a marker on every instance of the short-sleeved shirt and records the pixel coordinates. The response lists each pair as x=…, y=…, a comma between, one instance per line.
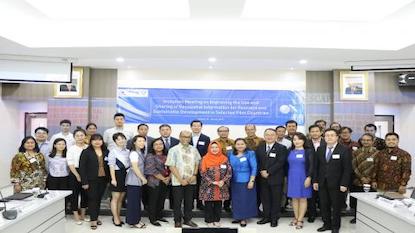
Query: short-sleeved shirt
x=58, y=166
x=108, y=136
x=122, y=155
x=186, y=159
x=132, y=178
x=74, y=154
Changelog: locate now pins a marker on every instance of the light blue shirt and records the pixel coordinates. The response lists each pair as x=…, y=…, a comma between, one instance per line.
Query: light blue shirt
x=121, y=154
x=243, y=167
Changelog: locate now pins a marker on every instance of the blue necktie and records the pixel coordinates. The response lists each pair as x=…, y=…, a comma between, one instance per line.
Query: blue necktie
x=328, y=155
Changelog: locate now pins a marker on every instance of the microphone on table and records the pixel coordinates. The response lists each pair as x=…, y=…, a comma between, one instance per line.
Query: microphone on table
x=8, y=214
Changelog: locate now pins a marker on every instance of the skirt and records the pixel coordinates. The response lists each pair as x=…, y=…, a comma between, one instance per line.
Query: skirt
x=244, y=204
x=120, y=177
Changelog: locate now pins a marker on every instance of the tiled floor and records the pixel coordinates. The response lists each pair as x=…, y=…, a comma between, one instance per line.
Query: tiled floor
x=252, y=227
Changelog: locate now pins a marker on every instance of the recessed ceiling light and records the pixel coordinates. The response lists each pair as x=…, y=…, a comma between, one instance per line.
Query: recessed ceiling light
x=120, y=59
x=303, y=61
x=212, y=59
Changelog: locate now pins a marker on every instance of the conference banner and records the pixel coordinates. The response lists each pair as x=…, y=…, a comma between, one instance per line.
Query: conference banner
x=217, y=107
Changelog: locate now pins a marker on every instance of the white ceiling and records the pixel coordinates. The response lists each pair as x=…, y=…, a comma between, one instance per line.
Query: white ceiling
x=214, y=29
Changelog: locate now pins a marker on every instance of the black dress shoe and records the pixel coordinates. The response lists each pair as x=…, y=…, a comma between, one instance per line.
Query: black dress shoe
x=243, y=224
x=117, y=225
x=236, y=221
x=163, y=220
x=323, y=228
x=177, y=224
x=263, y=221
x=155, y=223
x=311, y=219
x=353, y=221
x=190, y=224
x=274, y=223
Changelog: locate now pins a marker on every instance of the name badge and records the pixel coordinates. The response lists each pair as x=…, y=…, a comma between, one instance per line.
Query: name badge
x=272, y=155
x=242, y=159
x=202, y=143
x=223, y=166
x=32, y=160
x=336, y=156
x=299, y=156
x=229, y=148
x=393, y=157
x=354, y=148
x=369, y=159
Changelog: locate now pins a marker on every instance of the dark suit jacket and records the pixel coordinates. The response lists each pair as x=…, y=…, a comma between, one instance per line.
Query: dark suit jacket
x=173, y=142
x=202, y=148
x=337, y=172
x=88, y=165
x=310, y=144
x=275, y=166
x=149, y=140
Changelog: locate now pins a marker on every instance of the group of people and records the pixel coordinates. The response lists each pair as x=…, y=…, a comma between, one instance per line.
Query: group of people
x=317, y=169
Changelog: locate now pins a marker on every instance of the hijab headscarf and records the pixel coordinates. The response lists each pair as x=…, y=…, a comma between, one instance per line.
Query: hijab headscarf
x=213, y=160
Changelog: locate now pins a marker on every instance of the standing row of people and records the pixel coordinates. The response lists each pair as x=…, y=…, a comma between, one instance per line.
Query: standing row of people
x=248, y=170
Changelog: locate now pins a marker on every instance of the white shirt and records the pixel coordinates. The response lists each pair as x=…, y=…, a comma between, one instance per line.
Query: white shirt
x=111, y=131
x=316, y=143
x=268, y=146
x=195, y=139
x=285, y=142
x=122, y=155
x=73, y=154
x=70, y=140
x=58, y=166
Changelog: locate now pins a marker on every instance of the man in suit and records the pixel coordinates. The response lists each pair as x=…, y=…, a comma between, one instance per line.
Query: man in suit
x=315, y=141
x=201, y=143
x=165, y=133
x=332, y=175
x=272, y=158
x=142, y=130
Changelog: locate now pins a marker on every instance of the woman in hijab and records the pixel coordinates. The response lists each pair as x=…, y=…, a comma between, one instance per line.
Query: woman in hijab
x=216, y=173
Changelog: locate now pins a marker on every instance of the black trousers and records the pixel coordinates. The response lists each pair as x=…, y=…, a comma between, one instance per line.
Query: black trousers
x=331, y=200
x=156, y=198
x=212, y=211
x=227, y=203
x=196, y=195
x=95, y=192
x=183, y=194
x=271, y=200
x=312, y=204
x=57, y=183
x=353, y=201
x=77, y=190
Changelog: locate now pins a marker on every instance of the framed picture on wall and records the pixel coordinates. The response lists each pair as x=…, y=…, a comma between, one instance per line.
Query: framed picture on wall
x=70, y=90
x=353, y=86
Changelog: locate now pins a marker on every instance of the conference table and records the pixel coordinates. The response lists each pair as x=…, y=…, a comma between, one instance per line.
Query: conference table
x=382, y=215
x=37, y=214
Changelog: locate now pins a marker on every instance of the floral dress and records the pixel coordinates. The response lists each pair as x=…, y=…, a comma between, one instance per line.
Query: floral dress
x=28, y=170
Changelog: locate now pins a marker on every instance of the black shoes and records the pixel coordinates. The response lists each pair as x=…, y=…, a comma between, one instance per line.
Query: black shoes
x=263, y=221
x=353, y=221
x=155, y=223
x=274, y=223
x=311, y=219
x=324, y=228
x=236, y=221
x=190, y=224
x=163, y=220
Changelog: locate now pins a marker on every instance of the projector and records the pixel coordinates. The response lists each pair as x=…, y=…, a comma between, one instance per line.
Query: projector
x=406, y=79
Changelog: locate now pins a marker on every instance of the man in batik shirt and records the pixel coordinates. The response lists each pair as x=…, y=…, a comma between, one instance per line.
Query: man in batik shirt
x=393, y=166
